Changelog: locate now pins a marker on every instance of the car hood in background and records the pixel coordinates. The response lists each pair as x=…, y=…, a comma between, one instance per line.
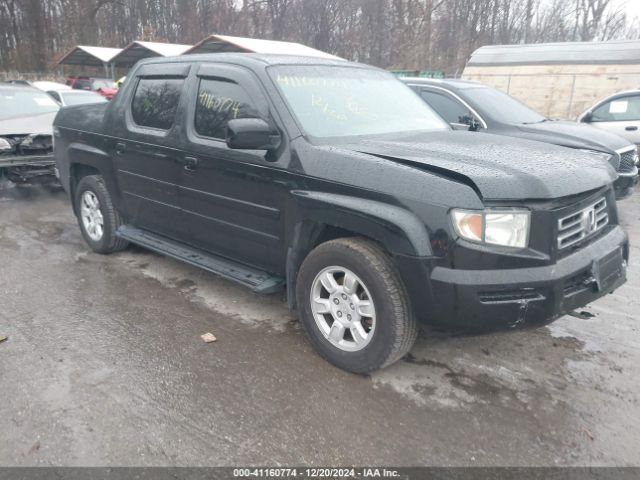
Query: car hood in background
x=574, y=135
x=40, y=124
x=497, y=167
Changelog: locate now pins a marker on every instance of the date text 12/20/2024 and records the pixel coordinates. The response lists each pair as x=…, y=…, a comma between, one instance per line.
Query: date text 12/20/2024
x=315, y=473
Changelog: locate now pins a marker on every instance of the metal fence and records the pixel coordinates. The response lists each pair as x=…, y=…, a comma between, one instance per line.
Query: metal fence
x=31, y=76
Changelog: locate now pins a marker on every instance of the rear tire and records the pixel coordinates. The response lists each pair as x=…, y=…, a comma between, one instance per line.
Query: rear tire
x=366, y=287
x=98, y=219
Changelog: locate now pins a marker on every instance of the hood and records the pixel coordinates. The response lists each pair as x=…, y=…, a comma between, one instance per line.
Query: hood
x=497, y=167
x=574, y=135
x=42, y=123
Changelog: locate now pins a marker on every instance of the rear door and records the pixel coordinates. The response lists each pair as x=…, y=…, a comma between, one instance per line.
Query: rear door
x=148, y=164
x=620, y=116
x=232, y=200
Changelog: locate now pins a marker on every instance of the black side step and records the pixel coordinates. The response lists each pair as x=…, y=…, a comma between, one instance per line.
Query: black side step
x=257, y=280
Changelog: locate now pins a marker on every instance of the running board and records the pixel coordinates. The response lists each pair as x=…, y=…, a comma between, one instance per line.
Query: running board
x=256, y=280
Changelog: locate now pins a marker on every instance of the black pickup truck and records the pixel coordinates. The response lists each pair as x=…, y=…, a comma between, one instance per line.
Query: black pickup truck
x=333, y=180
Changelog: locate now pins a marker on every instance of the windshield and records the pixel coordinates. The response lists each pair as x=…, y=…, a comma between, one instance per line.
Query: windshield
x=79, y=98
x=346, y=101
x=22, y=103
x=502, y=107
x=103, y=83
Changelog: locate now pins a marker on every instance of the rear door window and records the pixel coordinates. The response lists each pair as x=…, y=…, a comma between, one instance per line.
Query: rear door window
x=56, y=96
x=218, y=102
x=155, y=102
x=448, y=108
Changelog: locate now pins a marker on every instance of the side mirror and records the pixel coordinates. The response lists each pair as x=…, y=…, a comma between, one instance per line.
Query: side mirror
x=471, y=122
x=587, y=118
x=251, y=134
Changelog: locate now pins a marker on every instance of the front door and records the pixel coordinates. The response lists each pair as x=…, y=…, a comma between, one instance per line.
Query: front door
x=232, y=200
x=148, y=165
x=621, y=116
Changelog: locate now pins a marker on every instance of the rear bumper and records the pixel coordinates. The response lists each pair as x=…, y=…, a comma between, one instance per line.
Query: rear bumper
x=484, y=300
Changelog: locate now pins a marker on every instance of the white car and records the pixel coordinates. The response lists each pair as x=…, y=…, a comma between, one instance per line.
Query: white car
x=45, y=86
x=619, y=113
x=75, y=97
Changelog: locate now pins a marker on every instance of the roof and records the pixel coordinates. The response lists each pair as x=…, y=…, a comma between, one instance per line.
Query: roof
x=137, y=50
x=452, y=83
x=89, y=56
x=226, y=43
x=46, y=85
x=256, y=60
x=18, y=88
x=73, y=91
x=614, y=52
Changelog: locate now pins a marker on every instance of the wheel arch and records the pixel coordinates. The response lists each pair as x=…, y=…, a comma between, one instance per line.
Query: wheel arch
x=86, y=160
x=326, y=216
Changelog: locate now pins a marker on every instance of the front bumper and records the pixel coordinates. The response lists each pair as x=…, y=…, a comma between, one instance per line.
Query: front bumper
x=511, y=298
x=29, y=168
x=10, y=161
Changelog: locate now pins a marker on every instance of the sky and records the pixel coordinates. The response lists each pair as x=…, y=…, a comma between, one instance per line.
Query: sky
x=632, y=7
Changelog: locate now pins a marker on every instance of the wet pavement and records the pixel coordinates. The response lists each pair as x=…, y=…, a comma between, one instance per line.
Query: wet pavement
x=105, y=366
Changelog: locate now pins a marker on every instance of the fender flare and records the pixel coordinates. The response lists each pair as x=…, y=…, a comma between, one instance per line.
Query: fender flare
x=397, y=229
x=81, y=154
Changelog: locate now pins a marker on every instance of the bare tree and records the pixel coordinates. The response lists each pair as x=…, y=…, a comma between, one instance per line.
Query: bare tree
x=407, y=34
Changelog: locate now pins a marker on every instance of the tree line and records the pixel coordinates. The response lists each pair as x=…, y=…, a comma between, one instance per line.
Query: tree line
x=398, y=34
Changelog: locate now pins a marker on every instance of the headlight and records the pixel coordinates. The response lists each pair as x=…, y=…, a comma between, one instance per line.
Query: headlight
x=508, y=228
x=5, y=145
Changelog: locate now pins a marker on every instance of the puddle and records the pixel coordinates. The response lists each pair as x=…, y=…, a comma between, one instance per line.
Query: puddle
x=218, y=294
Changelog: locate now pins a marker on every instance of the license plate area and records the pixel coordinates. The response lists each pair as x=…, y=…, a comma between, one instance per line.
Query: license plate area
x=608, y=270
x=599, y=277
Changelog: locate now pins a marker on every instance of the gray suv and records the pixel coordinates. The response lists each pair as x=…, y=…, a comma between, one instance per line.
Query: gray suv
x=473, y=106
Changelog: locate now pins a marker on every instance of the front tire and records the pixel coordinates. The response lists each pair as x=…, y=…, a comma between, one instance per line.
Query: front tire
x=98, y=219
x=354, y=306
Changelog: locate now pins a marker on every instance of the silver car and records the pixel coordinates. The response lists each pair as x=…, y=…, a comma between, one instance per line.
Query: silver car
x=75, y=97
x=619, y=113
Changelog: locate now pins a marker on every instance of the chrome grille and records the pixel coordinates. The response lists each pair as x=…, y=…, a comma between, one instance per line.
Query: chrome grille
x=627, y=161
x=582, y=224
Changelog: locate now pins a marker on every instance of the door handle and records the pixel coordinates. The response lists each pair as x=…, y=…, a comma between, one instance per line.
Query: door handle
x=190, y=164
x=631, y=129
x=120, y=148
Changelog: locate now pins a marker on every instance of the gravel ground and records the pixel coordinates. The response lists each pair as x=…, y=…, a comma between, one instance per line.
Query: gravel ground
x=105, y=366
